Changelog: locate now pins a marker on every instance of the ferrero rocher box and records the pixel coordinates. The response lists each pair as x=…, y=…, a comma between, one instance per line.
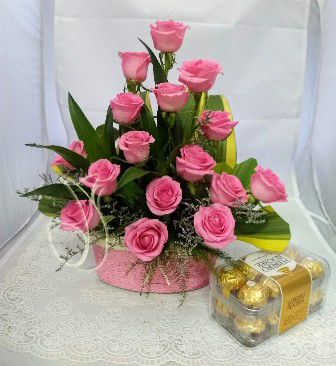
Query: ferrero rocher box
x=265, y=293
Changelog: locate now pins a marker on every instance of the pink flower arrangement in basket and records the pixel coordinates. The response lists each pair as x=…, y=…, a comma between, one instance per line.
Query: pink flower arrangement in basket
x=164, y=188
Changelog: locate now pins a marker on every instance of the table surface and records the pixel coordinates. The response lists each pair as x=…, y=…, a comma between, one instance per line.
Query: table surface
x=65, y=317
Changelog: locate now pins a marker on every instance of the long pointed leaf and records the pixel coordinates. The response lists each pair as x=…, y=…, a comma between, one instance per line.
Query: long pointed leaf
x=55, y=190
x=108, y=135
x=245, y=170
x=159, y=75
x=74, y=159
x=131, y=174
x=86, y=132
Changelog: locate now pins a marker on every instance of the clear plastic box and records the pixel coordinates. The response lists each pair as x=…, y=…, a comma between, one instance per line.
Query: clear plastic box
x=254, y=320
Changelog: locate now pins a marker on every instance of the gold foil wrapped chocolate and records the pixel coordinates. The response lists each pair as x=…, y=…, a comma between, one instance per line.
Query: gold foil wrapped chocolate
x=253, y=294
x=249, y=325
x=222, y=309
x=315, y=297
x=249, y=272
x=273, y=319
x=230, y=279
x=271, y=285
x=292, y=253
x=314, y=267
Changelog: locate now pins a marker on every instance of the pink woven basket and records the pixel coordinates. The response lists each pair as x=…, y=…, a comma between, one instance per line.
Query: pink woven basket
x=116, y=271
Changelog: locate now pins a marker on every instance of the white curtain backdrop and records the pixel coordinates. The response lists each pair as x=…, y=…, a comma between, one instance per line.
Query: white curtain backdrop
x=21, y=110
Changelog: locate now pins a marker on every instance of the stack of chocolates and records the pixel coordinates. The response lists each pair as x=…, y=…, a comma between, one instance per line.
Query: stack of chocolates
x=264, y=294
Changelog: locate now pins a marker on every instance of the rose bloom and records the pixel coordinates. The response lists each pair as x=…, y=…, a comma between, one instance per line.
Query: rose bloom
x=267, y=187
x=227, y=189
x=79, y=215
x=75, y=146
x=199, y=75
x=135, y=65
x=163, y=195
x=102, y=177
x=145, y=238
x=126, y=108
x=135, y=145
x=167, y=35
x=171, y=97
x=194, y=163
x=215, y=224
x=216, y=125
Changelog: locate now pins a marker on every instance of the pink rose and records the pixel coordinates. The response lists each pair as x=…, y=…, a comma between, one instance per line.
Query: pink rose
x=267, y=187
x=126, y=108
x=102, y=177
x=227, y=189
x=77, y=147
x=199, y=75
x=216, y=125
x=145, y=238
x=163, y=195
x=167, y=35
x=135, y=65
x=135, y=145
x=215, y=224
x=79, y=215
x=171, y=97
x=194, y=163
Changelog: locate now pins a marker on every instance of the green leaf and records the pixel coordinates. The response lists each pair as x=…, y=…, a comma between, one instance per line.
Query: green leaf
x=51, y=206
x=109, y=133
x=275, y=228
x=184, y=126
x=132, y=195
x=86, y=132
x=56, y=190
x=223, y=167
x=131, y=174
x=74, y=159
x=245, y=170
x=159, y=75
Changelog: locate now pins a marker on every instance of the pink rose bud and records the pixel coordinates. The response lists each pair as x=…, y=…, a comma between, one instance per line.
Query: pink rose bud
x=135, y=145
x=102, y=177
x=194, y=163
x=171, y=97
x=227, y=190
x=75, y=146
x=215, y=224
x=145, y=238
x=163, y=195
x=79, y=215
x=126, y=108
x=199, y=75
x=135, y=65
x=167, y=35
x=267, y=187
x=216, y=125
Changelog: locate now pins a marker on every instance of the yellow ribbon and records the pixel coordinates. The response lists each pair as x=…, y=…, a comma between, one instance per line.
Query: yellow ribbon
x=231, y=147
x=273, y=245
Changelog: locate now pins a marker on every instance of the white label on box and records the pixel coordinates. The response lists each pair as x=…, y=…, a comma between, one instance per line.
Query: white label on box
x=270, y=264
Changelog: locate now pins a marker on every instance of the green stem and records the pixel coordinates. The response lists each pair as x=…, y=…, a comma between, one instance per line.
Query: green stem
x=132, y=86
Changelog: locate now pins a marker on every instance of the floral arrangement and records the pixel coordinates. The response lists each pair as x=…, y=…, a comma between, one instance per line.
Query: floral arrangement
x=166, y=185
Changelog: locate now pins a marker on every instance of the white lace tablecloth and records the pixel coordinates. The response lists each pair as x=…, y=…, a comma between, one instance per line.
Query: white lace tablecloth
x=71, y=316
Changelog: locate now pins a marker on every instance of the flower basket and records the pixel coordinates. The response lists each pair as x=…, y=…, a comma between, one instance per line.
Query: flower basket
x=117, y=270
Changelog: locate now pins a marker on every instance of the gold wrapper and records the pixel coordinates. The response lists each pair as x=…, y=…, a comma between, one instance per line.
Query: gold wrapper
x=249, y=272
x=292, y=253
x=230, y=279
x=271, y=285
x=273, y=319
x=315, y=297
x=314, y=266
x=253, y=294
x=222, y=309
x=249, y=325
